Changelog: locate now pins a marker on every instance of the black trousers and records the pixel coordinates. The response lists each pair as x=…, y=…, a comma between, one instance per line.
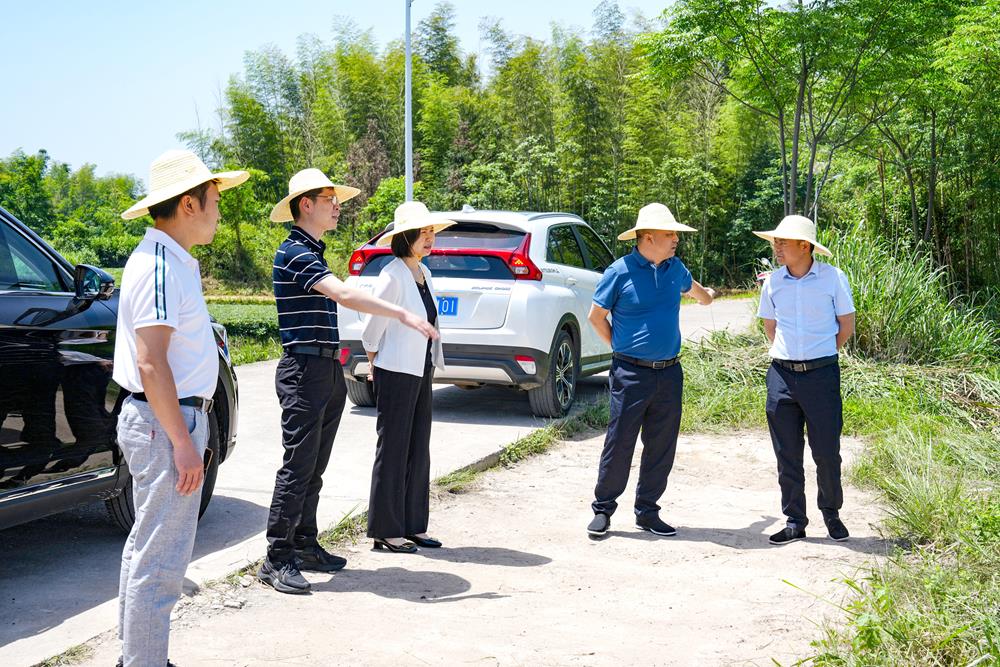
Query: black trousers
x=643, y=399
x=400, y=495
x=810, y=400
x=312, y=393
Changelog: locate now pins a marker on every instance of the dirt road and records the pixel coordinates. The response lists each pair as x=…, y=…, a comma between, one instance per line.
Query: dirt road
x=520, y=583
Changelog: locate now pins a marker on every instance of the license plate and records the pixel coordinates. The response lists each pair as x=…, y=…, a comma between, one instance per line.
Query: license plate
x=447, y=305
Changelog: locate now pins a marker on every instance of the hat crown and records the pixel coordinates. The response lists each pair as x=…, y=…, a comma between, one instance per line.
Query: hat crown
x=655, y=214
x=308, y=179
x=797, y=226
x=176, y=166
x=410, y=210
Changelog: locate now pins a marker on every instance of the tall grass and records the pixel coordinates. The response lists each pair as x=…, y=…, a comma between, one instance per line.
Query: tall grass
x=905, y=313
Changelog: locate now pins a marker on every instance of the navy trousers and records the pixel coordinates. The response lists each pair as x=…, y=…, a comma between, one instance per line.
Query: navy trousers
x=646, y=400
x=312, y=393
x=807, y=400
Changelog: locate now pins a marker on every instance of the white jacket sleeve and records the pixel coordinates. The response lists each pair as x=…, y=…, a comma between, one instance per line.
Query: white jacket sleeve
x=388, y=289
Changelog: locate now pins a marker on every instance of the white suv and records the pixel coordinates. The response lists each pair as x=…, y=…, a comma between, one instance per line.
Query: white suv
x=513, y=291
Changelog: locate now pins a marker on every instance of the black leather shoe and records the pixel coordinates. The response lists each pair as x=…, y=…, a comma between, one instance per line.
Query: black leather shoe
x=655, y=525
x=283, y=577
x=425, y=542
x=316, y=559
x=599, y=525
x=837, y=530
x=786, y=535
x=404, y=548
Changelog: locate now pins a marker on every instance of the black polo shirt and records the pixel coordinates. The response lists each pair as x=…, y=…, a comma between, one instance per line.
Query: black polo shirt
x=304, y=316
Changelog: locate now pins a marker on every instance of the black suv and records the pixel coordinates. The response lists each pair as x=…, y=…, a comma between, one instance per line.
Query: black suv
x=58, y=403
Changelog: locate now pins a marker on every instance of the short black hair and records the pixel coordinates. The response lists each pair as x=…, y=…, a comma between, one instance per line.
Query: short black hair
x=402, y=243
x=310, y=195
x=167, y=209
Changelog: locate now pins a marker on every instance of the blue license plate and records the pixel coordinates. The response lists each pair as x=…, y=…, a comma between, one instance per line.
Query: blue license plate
x=448, y=305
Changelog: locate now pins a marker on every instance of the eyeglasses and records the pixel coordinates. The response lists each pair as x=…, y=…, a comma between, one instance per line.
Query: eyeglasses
x=333, y=198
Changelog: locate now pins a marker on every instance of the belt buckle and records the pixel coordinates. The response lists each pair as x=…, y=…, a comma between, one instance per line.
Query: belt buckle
x=207, y=404
x=659, y=365
x=800, y=368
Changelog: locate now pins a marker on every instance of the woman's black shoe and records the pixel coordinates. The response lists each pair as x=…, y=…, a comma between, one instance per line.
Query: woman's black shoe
x=426, y=542
x=404, y=548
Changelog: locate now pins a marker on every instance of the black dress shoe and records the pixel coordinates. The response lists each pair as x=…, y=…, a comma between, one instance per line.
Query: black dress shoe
x=426, y=542
x=315, y=558
x=654, y=524
x=599, y=525
x=837, y=530
x=404, y=548
x=786, y=535
x=283, y=577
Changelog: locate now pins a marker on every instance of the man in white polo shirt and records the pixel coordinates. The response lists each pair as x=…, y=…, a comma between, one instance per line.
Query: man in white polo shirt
x=808, y=314
x=165, y=355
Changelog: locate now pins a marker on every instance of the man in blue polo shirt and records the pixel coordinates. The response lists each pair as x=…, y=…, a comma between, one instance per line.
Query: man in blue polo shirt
x=808, y=314
x=309, y=380
x=642, y=293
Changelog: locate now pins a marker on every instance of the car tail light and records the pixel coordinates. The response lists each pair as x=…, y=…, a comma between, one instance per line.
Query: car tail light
x=345, y=354
x=521, y=265
x=357, y=263
x=527, y=364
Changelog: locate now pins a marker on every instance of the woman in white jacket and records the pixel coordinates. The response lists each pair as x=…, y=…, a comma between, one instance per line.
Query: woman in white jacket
x=403, y=367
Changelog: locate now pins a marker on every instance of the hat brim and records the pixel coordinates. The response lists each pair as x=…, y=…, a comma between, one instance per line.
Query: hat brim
x=630, y=234
x=224, y=179
x=437, y=223
x=819, y=247
x=282, y=211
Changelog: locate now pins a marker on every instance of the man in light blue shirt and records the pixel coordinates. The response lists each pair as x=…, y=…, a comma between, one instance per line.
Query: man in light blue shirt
x=808, y=314
x=642, y=293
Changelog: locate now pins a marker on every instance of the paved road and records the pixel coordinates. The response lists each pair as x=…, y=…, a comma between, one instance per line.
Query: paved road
x=59, y=583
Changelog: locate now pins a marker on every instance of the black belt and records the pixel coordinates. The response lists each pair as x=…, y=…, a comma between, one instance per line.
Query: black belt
x=313, y=350
x=664, y=363
x=803, y=366
x=196, y=402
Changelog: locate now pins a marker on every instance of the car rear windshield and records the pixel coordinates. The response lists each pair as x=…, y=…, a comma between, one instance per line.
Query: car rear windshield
x=467, y=237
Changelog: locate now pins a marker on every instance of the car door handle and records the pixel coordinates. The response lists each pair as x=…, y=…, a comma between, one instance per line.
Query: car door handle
x=571, y=281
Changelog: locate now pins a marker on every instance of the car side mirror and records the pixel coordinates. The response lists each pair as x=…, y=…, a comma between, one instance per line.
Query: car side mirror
x=92, y=283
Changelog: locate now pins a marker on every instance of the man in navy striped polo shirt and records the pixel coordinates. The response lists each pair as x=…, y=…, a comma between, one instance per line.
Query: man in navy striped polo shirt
x=309, y=380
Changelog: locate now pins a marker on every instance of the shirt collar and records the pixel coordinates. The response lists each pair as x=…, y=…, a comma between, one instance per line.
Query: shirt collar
x=299, y=234
x=645, y=263
x=813, y=271
x=161, y=237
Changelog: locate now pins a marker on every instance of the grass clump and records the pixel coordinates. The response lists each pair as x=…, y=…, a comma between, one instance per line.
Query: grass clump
x=71, y=656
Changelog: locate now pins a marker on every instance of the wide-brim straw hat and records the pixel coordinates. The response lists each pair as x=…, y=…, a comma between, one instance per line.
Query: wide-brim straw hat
x=304, y=181
x=796, y=228
x=657, y=217
x=413, y=215
x=174, y=173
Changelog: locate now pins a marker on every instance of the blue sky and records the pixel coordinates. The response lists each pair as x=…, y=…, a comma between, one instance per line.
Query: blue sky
x=113, y=82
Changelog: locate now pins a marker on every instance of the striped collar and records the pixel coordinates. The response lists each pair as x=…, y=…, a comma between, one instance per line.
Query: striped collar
x=299, y=234
x=159, y=236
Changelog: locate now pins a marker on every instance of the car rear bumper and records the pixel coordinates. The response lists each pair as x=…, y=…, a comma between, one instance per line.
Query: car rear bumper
x=466, y=364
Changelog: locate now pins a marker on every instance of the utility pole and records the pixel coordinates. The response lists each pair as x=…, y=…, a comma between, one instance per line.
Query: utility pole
x=408, y=108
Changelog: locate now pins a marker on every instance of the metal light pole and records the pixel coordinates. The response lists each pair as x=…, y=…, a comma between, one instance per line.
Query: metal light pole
x=408, y=109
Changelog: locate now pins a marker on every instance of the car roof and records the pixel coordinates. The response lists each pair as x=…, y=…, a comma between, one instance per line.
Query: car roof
x=525, y=220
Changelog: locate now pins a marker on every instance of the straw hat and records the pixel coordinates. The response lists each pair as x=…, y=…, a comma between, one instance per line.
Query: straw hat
x=655, y=216
x=412, y=215
x=304, y=181
x=174, y=173
x=796, y=228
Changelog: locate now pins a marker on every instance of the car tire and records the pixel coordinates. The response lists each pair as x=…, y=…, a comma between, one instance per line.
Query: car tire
x=121, y=508
x=361, y=393
x=557, y=393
